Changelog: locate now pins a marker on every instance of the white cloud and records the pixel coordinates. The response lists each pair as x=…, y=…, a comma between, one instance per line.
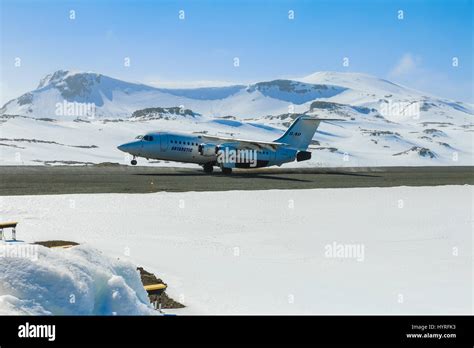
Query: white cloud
x=408, y=64
x=409, y=71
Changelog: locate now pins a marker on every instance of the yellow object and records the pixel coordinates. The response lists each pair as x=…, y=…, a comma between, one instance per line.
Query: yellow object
x=154, y=287
x=8, y=224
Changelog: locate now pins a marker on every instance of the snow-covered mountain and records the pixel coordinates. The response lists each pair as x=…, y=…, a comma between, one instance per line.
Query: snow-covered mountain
x=112, y=98
x=77, y=117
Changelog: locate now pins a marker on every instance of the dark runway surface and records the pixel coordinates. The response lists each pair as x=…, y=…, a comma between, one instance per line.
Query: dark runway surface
x=36, y=180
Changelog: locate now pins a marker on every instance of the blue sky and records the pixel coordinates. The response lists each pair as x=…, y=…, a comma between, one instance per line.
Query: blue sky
x=165, y=50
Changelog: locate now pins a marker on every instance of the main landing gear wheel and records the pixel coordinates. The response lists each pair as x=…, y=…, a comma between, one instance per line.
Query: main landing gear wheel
x=208, y=168
x=226, y=171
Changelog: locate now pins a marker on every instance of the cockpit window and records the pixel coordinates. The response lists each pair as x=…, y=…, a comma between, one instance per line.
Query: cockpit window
x=148, y=138
x=139, y=137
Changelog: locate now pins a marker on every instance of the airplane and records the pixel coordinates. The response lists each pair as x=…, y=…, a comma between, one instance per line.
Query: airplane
x=226, y=153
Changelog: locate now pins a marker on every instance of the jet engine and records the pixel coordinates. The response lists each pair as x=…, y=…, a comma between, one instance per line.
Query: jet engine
x=303, y=156
x=207, y=149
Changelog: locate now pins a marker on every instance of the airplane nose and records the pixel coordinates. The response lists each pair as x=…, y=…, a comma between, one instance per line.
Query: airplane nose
x=121, y=147
x=126, y=147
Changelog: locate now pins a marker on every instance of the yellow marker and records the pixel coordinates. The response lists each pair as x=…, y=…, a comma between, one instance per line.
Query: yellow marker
x=154, y=287
x=8, y=224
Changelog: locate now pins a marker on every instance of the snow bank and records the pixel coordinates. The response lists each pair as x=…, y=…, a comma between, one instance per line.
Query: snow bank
x=75, y=281
x=277, y=251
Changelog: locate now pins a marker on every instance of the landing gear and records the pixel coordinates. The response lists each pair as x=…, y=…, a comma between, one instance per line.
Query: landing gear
x=208, y=168
x=226, y=171
x=134, y=162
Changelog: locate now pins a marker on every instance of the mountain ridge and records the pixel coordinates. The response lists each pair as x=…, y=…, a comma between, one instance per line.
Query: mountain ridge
x=384, y=123
x=118, y=98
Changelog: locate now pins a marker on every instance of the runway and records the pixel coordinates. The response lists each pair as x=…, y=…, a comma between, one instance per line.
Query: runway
x=41, y=180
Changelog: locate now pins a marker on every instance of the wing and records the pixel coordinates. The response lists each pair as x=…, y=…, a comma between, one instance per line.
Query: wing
x=243, y=143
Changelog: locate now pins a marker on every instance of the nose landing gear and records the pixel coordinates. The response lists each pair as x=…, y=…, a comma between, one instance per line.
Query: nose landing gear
x=134, y=161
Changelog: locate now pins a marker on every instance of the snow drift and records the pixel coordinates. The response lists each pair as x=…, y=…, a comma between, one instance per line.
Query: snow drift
x=266, y=252
x=75, y=281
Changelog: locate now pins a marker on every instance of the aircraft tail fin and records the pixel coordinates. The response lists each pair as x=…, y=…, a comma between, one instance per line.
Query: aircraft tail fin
x=300, y=132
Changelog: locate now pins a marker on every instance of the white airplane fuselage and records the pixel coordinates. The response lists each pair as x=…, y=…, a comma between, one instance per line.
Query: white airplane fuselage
x=227, y=153
x=181, y=147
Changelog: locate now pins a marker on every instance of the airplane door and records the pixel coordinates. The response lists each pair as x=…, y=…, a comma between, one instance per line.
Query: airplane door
x=164, y=142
